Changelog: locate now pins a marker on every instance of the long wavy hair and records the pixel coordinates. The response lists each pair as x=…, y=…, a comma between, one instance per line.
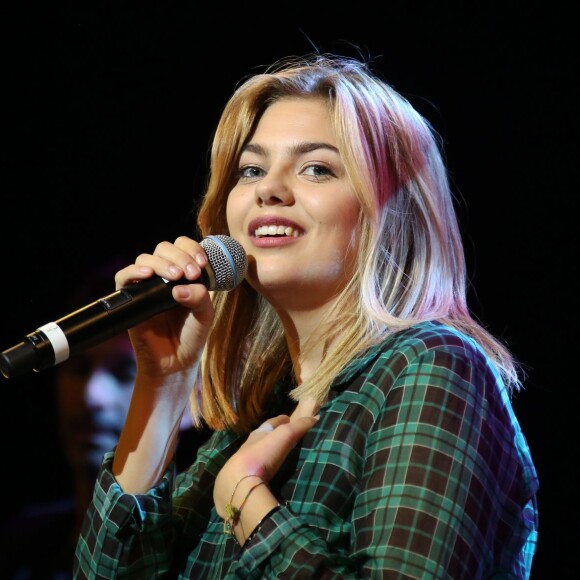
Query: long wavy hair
x=410, y=263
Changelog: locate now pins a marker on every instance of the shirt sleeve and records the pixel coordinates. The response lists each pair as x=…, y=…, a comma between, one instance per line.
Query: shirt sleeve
x=121, y=529
x=449, y=484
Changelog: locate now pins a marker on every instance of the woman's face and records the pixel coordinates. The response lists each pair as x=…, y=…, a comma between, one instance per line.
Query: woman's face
x=293, y=208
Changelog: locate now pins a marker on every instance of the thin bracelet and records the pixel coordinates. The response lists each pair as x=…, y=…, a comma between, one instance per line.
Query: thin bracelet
x=233, y=513
x=263, y=520
x=230, y=509
x=240, y=481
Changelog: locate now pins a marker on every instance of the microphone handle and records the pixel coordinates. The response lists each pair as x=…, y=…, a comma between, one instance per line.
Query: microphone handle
x=56, y=341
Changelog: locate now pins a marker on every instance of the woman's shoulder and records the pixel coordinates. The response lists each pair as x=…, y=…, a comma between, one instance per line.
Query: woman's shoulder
x=427, y=336
x=428, y=353
x=399, y=349
x=431, y=344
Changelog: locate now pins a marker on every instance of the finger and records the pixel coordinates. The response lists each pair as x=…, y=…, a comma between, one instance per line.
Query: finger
x=131, y=274
x=303, y=424
x=193, y=249
x=184, y=257
x=285, y=434
x=305, y=408
x=269, y=425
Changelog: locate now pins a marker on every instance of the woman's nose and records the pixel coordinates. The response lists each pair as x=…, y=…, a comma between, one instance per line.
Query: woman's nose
x=273, y=189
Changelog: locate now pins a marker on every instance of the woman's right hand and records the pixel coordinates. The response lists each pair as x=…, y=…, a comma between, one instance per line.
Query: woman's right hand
x=172, y=342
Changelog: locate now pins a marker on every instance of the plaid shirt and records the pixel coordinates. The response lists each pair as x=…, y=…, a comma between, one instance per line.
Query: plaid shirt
x=417, y=468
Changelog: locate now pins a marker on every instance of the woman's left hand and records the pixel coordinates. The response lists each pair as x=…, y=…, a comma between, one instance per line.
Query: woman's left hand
x=264, y=451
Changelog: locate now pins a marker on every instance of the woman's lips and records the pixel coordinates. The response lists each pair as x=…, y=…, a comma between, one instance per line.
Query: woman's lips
x=273, y=241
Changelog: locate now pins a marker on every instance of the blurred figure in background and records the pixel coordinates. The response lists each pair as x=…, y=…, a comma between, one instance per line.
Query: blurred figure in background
x=93, y=392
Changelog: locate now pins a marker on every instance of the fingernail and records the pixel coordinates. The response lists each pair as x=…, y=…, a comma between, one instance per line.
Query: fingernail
x=182, y=291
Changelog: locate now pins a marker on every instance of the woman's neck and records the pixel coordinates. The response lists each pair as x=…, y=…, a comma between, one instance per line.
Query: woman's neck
x=307, y=340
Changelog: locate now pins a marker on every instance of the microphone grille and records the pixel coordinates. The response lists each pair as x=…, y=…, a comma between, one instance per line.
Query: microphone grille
x=228, y=260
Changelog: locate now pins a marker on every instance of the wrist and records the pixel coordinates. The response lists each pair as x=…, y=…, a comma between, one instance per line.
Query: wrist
x=260, y=503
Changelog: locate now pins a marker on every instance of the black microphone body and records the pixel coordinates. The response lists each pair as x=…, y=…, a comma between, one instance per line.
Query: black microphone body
x=57, y=341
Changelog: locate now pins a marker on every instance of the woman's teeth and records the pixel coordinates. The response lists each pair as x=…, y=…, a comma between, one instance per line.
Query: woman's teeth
x=276, y=231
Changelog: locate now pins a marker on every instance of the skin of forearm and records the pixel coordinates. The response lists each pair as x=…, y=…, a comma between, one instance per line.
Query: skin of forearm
x=149, y=436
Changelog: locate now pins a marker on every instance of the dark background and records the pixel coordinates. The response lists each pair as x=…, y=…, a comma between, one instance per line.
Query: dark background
x=108, y=110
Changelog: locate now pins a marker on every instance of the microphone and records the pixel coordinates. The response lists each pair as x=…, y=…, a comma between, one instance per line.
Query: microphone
x=57, y=341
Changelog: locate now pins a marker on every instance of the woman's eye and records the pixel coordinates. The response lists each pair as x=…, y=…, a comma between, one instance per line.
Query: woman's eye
x=319, y=172
x=250, y=172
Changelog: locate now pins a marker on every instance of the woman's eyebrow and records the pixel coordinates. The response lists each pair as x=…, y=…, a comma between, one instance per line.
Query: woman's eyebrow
x=298, y=148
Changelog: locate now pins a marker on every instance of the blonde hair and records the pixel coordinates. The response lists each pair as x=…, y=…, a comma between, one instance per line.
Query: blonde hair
x=410, y=262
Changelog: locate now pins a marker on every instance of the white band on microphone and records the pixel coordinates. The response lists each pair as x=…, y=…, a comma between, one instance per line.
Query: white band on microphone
x=58, y=340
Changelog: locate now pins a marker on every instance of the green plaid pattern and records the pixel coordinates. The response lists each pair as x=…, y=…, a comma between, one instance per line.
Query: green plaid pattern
x=417, y=469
